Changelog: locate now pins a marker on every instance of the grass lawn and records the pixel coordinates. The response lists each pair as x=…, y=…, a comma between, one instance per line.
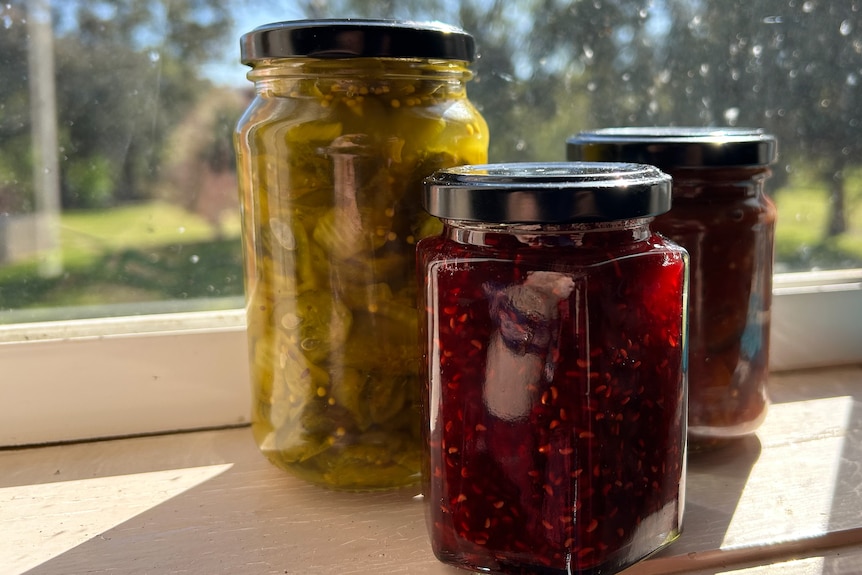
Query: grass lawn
x=800, y=242
x=87, y=234
x=140, y=253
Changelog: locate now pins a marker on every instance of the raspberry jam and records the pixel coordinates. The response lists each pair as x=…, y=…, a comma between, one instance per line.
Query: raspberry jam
x=722, y=216
x=554, y=344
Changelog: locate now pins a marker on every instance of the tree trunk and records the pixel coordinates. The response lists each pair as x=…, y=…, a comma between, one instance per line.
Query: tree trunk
x=837, y=222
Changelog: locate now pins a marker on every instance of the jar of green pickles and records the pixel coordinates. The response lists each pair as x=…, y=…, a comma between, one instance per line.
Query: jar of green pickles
x=348, y=118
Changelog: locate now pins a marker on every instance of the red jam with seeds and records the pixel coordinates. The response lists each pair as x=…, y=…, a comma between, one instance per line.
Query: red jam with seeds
x=726, y=222
x=554, y=344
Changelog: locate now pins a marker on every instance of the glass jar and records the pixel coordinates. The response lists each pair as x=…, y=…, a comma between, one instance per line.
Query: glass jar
x=553, y=341
x=722, y=216
x=347, y=119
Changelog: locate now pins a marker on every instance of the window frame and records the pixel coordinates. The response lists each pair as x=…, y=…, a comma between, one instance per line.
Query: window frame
x=112, y=377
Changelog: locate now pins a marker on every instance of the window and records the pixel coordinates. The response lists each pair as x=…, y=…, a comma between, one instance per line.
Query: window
x=120, y=271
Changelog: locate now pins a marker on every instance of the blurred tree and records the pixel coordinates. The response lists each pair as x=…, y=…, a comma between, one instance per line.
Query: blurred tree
x=15, y=151
x=127, y=72
x=793, y=68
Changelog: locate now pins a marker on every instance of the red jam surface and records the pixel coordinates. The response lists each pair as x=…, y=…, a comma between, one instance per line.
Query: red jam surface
x=555, y=399
x=726, y=224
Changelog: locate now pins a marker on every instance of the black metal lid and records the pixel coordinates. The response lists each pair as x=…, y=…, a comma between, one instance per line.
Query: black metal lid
x=356, y=38
x=671, y=148
x=554, y=192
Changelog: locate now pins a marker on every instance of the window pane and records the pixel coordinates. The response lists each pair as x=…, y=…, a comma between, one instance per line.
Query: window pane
x=117, y=184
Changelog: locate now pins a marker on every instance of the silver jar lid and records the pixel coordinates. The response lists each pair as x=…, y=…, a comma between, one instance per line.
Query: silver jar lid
x=675, y=147
x=356, y=38
x=552, y=193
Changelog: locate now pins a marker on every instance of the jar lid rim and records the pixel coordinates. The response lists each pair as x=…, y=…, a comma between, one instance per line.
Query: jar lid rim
x=548, y=192
x=356, y=38
x=671, y=147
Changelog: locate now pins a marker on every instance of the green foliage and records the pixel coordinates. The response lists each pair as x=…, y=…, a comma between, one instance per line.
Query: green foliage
x=126, y=73
x=90, y=182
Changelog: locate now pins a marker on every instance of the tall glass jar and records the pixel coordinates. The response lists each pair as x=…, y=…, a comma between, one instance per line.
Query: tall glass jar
x=554, y=390
x=722, y=216
x=347, y=119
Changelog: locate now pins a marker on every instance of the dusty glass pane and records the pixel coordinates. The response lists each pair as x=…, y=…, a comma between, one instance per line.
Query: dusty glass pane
x=117, y=184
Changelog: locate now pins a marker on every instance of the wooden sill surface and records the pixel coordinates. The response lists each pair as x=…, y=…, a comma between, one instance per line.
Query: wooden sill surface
x=786, y=502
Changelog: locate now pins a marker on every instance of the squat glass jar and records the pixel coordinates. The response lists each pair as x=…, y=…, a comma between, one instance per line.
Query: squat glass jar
x=722, y=216
x=554, y=406
x=347, y=119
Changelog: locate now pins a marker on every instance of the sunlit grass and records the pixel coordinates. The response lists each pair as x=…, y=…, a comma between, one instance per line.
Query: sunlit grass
x=148, y=252
x=144, y=225
x=803, y=211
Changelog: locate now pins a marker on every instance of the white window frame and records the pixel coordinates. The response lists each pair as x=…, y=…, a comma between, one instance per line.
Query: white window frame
x=95, y=378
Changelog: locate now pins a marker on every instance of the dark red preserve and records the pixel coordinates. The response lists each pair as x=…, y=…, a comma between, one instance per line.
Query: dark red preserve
x=554, y=401
x=722, y=216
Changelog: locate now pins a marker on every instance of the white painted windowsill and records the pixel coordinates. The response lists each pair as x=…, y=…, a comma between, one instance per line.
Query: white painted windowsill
x=113, y=377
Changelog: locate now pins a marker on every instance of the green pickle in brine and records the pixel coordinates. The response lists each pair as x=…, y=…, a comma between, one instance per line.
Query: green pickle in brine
x=331, y=167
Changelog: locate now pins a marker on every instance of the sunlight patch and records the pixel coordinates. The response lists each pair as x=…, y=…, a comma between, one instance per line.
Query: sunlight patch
x=51, y=518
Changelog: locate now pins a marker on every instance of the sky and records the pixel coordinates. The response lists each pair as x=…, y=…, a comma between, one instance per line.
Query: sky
x=228, y=70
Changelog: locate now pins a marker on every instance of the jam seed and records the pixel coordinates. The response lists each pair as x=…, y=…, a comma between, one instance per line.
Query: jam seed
x=592, y=526
x=499, y=504
x=547, y=524
x=584, y=552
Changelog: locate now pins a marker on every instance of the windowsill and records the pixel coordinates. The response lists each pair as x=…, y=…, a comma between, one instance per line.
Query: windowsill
x=208, y=502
